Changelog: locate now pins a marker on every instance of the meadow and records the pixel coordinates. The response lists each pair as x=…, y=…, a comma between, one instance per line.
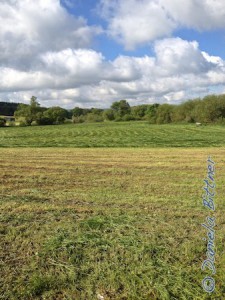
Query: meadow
x=120, y=223
x=113, y=134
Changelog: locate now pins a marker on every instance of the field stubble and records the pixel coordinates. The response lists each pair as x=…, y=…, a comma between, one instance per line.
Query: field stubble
x=121, y=223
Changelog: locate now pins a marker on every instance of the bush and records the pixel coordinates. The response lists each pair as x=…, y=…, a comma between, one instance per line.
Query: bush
x=44, y=121
x=2, y=122
x=22, y=123
x=220, y=121
x=77, y=120
x=128, y=118
x=109, y=115
x=91, y=117
x=11, y=123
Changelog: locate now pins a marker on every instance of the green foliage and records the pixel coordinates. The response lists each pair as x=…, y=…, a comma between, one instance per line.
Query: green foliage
x=2, y=122
x=8, y=108
x=77, y=112
x=56, y=114
x=33, y=113
x=11, y=123
x=128, y=117
x=121, y=108
x=28, y=112
x=77, y=120
x=109, y=115
x=140, y=111
x=151, y=113
x=41, y=119
x=164, y=114
x=184, y=112
x=210, y=109
x=97, y=111
x=93, y=117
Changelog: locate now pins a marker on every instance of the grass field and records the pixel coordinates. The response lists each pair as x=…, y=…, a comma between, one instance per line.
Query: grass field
x=123, y=223
x=126, y=134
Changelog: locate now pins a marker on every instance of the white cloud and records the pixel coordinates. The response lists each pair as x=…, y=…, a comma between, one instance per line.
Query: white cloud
x=137, y=22
x=81, y=65
x=29, y=28
x=197, y=14
x=176, y=56
x=84, y=77
x=45, y=51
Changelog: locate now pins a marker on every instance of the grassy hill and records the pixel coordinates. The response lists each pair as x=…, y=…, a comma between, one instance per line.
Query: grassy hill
x=121, y=134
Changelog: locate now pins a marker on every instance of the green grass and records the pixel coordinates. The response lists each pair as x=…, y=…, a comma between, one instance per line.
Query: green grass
x=126, y=134
x=122, y=223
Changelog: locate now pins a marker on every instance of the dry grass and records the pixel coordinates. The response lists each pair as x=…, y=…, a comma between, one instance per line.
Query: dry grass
x=121, y=223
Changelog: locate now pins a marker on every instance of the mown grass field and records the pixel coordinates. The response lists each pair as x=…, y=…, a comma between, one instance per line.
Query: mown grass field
x=123, y=134
x=121, y=223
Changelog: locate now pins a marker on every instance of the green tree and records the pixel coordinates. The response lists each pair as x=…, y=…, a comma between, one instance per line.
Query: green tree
x=164, y=113
x=184, y=112
x=139, y=112
x=28, y=112
x=151, y=113
x=109, y=115
x=77, y=112
x=121, y=108
x=56, y=114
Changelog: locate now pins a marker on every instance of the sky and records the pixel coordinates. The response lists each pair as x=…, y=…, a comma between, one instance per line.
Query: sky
x=90, y=53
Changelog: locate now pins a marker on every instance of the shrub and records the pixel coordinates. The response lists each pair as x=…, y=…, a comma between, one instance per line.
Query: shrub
x=77, y=120
x=11, y=123
x=22, y=123
x=2, y=122
x=91, y=117
x=128, y=118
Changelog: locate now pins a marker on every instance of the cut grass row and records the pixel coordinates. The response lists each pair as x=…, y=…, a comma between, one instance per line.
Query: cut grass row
x=122, y=223
x=126, y=134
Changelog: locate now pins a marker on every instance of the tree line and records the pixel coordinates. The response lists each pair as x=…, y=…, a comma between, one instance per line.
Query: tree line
x=210, y=109
x=8, y=108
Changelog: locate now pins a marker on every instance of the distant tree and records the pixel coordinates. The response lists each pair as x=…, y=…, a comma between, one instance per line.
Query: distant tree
x=184, y=112
x=139, y=112
x=213, y=108
x=8, y=108
x=77, y=111
x=151, y=113
x=56, y=114
x=164, y=113
x=43, y=120
x=24, y=112
x=109, y=115
x=97, y=111
x=121, y=108
x=28, y=112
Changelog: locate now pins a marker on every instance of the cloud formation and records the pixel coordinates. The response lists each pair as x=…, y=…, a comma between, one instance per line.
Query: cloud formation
x=136, y=22
x=84, y=76
x=45, y=51
x=29, y=28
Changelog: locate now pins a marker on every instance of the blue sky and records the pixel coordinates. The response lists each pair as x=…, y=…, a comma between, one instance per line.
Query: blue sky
x=212, y=41
x=93, y=52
